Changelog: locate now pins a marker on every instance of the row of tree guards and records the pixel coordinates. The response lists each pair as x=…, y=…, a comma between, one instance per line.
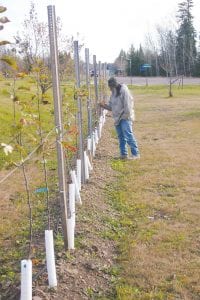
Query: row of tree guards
x=69, y=193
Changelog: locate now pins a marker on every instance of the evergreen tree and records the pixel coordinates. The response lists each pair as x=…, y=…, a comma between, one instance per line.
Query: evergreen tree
x=197, y=62
x=135, y=60
x=186, y=43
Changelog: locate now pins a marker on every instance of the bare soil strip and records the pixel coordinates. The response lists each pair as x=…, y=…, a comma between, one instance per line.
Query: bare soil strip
x=86, y=272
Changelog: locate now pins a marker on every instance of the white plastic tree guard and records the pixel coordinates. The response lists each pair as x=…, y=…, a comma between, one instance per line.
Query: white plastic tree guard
x=90, y=167
x=100, y=127
x=70, y=233
x=86, y=166
x=78, y=173
x=89, y=145
x=72, y=207
x=79, y=111
x=93, y=144
x=103, y=119
x=96, y=136
x=26, y=280
x=105, y=112
x=77, y=193
x=50, y=258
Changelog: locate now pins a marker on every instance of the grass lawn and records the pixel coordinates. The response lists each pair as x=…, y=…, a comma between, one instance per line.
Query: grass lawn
x=157, y=223
x=158, y=197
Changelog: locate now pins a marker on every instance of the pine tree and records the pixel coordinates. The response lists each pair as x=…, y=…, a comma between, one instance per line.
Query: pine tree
x=197, y=63
x=186, y=43
x=137, y=59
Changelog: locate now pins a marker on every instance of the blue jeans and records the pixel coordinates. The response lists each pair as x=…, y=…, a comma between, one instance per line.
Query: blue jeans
x=126, y=136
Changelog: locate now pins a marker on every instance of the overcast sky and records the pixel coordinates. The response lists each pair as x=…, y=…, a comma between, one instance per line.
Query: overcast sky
x=105, y=26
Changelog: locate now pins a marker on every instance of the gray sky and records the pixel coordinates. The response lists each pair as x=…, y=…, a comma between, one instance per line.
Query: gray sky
x=105, y=26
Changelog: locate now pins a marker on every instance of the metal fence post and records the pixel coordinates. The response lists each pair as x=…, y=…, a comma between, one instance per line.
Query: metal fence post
x=89, y=104
x=105, y=78
x=95, y=84
x=80, y=130
x=58, y=119
x=100, y=84
x=103, y=82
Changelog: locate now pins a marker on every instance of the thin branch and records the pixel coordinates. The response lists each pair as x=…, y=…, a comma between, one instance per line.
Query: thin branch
x=28, y=201
x=26, y=159
x=43, y=157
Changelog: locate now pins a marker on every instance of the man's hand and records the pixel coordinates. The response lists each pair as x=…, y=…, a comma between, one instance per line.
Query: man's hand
x=105, y=105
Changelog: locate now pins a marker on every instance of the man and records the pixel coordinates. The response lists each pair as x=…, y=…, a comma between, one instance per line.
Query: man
x=122, y=106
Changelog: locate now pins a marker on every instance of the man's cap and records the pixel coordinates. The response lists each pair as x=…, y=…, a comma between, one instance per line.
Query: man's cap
x=112, y=82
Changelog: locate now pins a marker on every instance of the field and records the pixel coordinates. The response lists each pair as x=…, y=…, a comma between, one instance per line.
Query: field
x=158, y=198
x=154, y=217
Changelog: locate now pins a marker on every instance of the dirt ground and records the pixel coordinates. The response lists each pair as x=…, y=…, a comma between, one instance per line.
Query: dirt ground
x=84, y=273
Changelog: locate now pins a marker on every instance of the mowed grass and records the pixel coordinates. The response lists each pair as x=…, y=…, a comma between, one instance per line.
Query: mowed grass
x=157, y=199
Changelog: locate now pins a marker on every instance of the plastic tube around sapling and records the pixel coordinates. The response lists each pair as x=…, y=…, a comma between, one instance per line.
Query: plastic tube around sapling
x=77, y=193
x=70, y=233
x=94, y=144
x=78, y=172
x=26, y=280
x=72, y=207
x=96, y=136
x=86, y=166
x=103, y=120
x=105, y=112
x=100, y=128
x=50, y=258
x=90, y=168
x=89, y=144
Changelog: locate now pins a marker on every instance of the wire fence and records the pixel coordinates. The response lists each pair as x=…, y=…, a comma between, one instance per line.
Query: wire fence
x=38, y=197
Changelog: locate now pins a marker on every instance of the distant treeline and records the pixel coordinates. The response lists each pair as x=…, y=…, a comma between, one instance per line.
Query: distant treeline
x=174, y=52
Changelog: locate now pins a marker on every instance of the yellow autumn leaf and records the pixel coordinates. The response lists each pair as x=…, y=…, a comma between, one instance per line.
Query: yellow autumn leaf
x=21, y=75
x=10, y=61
